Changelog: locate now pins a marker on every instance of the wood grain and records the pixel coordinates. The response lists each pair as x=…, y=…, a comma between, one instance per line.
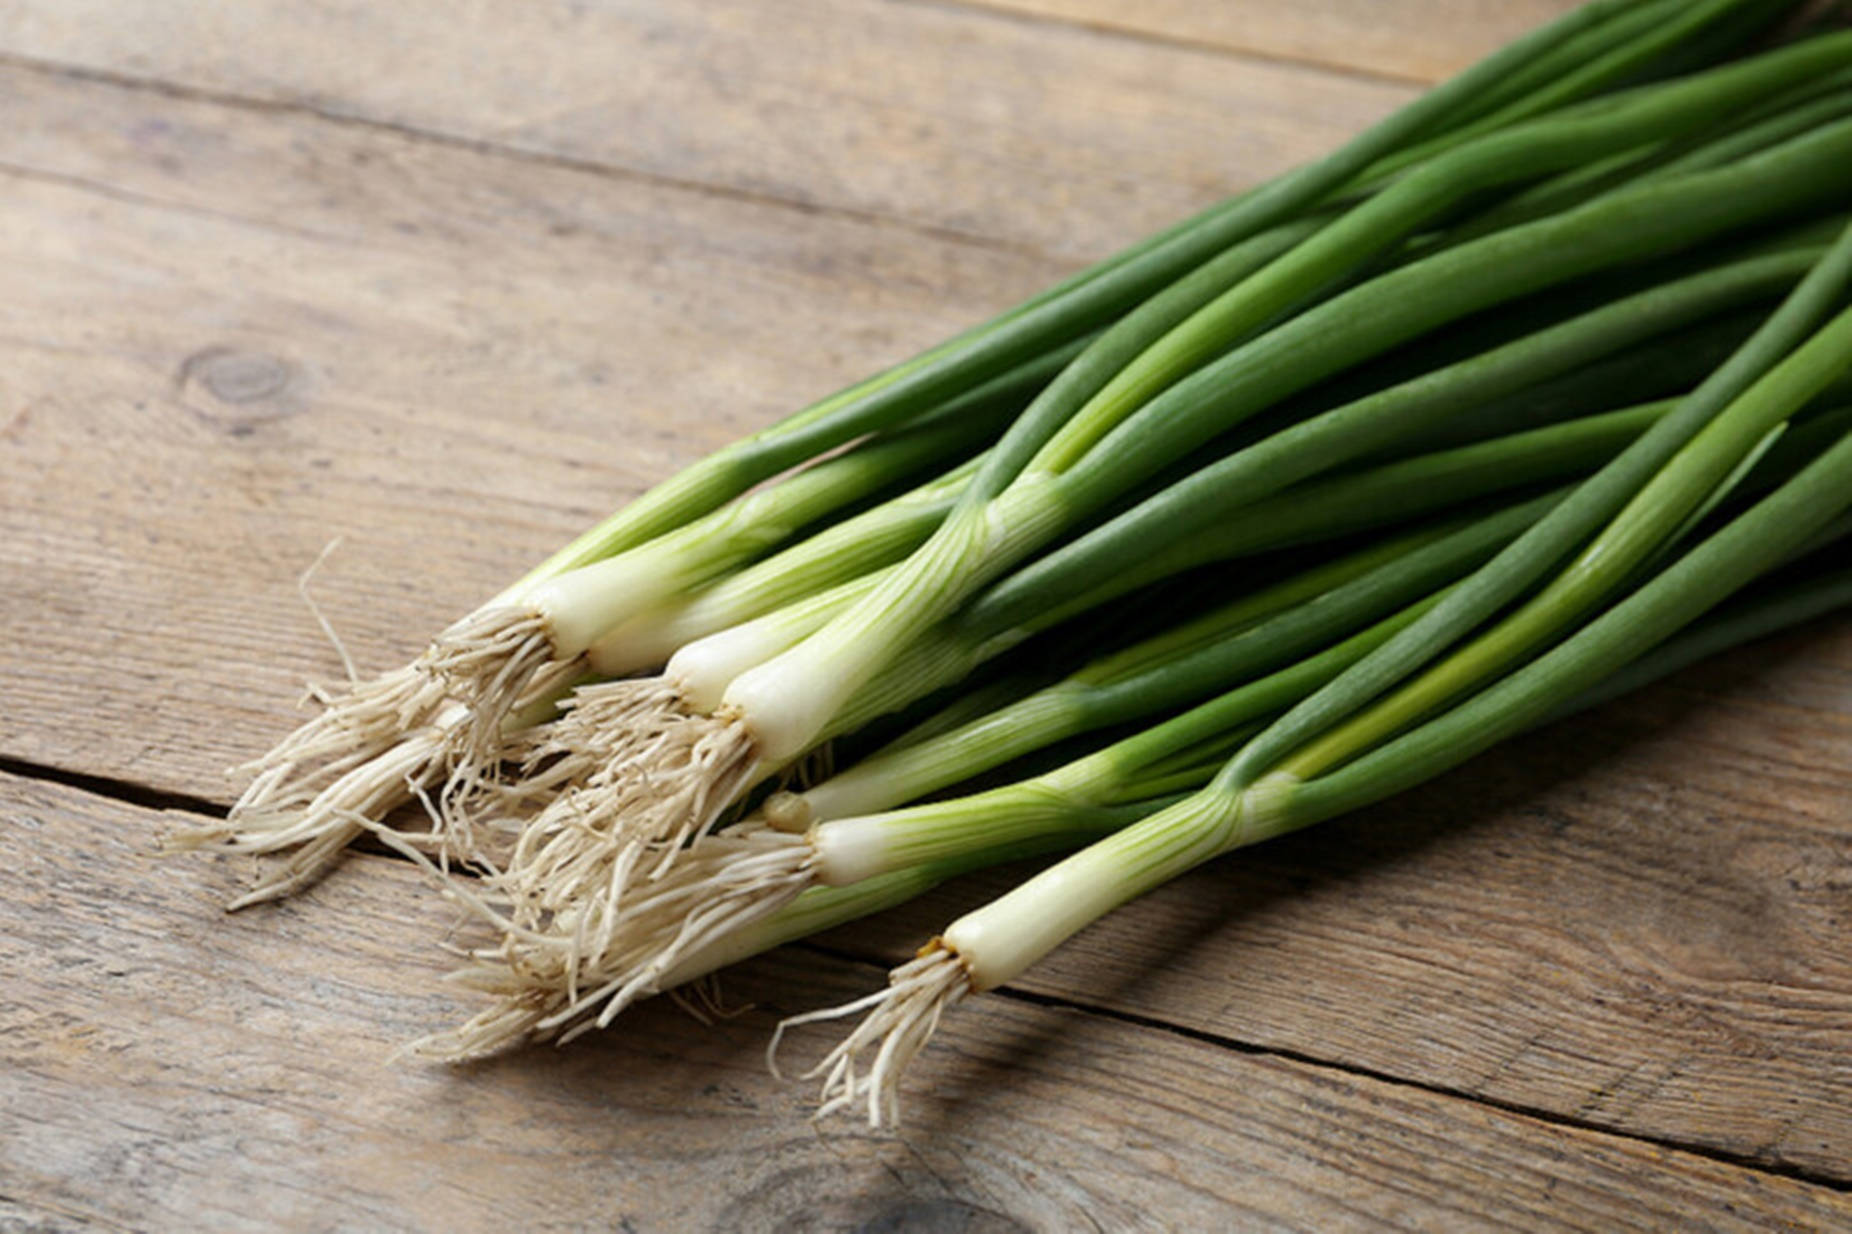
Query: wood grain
x=233, y=332
x=1039, y=134
x=171, y=1066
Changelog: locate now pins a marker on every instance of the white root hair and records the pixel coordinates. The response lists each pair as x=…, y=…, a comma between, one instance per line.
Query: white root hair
x=705, y=1001
x=321, y=618
x=491, y=661
x=901, y=1019
x=491, y=1031
x=628, y=823
x=304, y=868
x=727, y=883
x=320, y=828
x=378, y=746
x=478, y=785
x=357, y=724
x=601, y=728
x=574, y=976
x=730, y=881
x=510, y=1019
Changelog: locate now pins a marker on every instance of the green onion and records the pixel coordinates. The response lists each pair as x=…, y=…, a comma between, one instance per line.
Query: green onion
x=1295, y=504
x=586, y=840
x=596, y=918
x=824, y=907
x=385, y=739
x=774, y=710
x=1250, y=232
x=994, y=944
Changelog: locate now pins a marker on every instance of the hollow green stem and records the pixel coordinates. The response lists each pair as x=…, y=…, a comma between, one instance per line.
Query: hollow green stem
x=1216, y=493
x=1661, y=508
x=1780, y=524
x=1566, y=528
x=1255, y=634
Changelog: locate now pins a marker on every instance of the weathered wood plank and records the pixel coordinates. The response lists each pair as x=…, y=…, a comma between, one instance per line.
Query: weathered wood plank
x=171, y=1066
x=1065, y=139
x=233, y=334
x=1637, y=919
x=1420, y=39
x=20, y=1218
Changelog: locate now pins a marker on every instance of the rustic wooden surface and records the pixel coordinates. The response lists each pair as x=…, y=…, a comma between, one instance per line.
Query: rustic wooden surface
x=168, y=1067
x=445, y=281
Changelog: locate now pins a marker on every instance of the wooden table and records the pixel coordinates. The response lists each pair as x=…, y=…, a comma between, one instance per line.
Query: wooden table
x=445, y=281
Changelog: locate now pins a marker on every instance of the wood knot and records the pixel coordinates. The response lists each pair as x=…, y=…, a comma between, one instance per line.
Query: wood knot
x=240, y=388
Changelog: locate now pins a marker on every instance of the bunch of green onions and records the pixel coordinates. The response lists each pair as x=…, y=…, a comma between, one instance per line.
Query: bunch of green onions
x=1289, y=507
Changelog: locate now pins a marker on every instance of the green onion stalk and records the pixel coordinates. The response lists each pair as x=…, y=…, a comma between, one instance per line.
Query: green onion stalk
x=520, y=1009
x=1613, y=603
x=1602, y=43
x=1061, y=465
x=382, y=741
x=576, y=961
x=590, y=749
x=583, y=847
x=584, y=912
x=551, y=983
x=486, y=659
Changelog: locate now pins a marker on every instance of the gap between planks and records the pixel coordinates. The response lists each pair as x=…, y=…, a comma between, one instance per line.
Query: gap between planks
x=1533, y=1112
x=148, y=797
